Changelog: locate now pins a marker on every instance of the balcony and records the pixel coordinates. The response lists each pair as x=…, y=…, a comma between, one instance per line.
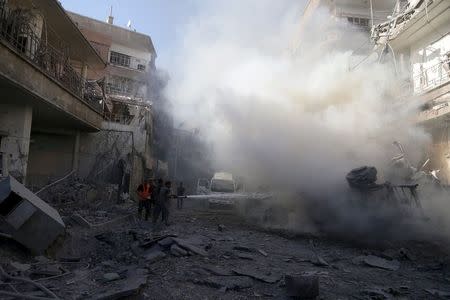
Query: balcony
x=18, y=33
x=432, y=77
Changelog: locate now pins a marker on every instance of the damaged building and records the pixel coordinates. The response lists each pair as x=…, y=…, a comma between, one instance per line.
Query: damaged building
x=345, y=24
x=416, y=42
x=47, y=100
x=121, y=152
x=75, y=98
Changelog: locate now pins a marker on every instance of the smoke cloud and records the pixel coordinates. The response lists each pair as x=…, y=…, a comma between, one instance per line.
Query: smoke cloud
x=297, y=123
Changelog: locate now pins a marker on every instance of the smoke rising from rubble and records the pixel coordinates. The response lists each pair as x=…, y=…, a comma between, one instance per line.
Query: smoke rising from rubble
x=298, y=124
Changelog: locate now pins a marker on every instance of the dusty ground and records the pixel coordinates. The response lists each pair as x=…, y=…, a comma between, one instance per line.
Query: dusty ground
x=86, y=255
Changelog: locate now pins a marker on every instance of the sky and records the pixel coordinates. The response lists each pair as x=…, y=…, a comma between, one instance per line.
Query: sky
x=160, y=19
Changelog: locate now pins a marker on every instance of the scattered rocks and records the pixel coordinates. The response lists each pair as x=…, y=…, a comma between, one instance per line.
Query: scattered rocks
x=221, y=227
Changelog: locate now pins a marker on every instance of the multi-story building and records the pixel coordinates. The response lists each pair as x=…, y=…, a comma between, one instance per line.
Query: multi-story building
x=417, y=41
x=126, y=138
x=75, y=97
x=46, y=98
x=131, y=59
x=342, y=24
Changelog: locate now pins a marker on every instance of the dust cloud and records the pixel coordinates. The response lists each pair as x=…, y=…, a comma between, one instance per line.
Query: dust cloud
x=296, y=123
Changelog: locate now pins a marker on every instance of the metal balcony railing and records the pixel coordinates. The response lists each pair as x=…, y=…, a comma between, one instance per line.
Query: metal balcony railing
x=432, y=77
x=18, y=31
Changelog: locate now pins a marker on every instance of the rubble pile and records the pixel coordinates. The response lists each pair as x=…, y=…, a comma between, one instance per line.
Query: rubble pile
x=216, y=257
x=70, y=191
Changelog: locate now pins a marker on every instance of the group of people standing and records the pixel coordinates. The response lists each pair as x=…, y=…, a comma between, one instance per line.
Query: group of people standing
x=154, y=199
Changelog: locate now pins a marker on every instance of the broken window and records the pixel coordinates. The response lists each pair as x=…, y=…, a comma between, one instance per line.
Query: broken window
x=141, y=67
x=361, y=22
x=119, y=85
x=120, y=59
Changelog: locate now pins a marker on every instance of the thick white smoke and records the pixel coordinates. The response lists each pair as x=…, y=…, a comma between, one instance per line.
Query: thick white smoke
x=297, y=123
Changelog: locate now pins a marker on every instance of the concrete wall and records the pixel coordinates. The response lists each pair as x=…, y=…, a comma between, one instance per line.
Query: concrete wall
x=51, y=157
x=18, y=71
x=15, y=124
x=118, y=154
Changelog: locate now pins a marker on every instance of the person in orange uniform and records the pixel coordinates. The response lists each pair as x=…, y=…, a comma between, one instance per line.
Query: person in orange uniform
x=144, y=192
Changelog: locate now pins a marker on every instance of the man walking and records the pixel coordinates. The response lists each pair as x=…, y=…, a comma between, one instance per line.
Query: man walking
x=144, y=192
x=180, y=195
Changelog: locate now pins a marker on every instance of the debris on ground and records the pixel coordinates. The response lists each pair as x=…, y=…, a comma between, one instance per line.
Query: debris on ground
x=378, y=262
x=117, y=257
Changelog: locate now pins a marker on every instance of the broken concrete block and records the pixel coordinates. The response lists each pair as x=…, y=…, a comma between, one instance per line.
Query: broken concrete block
x=166, y=243
x=302, y=287
x=317, y=260
x=219, y=271
x=229, y=283
x=378, y=262
x=20, y=267
x=154, y=256
x=29, y=220
x=221, y=227
x=244, y=256
x=257, y=275
x=263, y=253
x=177, y=251
x=194, y=249
x=129, y=288
x=111, y=277
x=244, y=249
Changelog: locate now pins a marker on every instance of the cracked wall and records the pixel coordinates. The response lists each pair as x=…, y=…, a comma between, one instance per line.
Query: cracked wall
x=15, y=123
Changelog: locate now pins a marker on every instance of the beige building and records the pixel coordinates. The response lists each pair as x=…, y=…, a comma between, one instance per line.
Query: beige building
x=124, y=146
x=416, y=40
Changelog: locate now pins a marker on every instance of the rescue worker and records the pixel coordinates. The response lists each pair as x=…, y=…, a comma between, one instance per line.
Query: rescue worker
x=157, y=204
x=180, y=195
x=164, y=199
x=144, y=192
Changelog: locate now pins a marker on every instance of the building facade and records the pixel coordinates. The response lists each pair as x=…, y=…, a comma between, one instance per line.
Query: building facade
x=416, y=40
x=343, y=24
x=123, y=149
x=47, y=100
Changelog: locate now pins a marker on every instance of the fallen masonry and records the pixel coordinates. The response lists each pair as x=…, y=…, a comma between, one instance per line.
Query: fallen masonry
x=28, y=219
x=121, y=258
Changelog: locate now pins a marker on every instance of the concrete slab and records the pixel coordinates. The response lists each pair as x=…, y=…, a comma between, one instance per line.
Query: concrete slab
x=28, y=219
